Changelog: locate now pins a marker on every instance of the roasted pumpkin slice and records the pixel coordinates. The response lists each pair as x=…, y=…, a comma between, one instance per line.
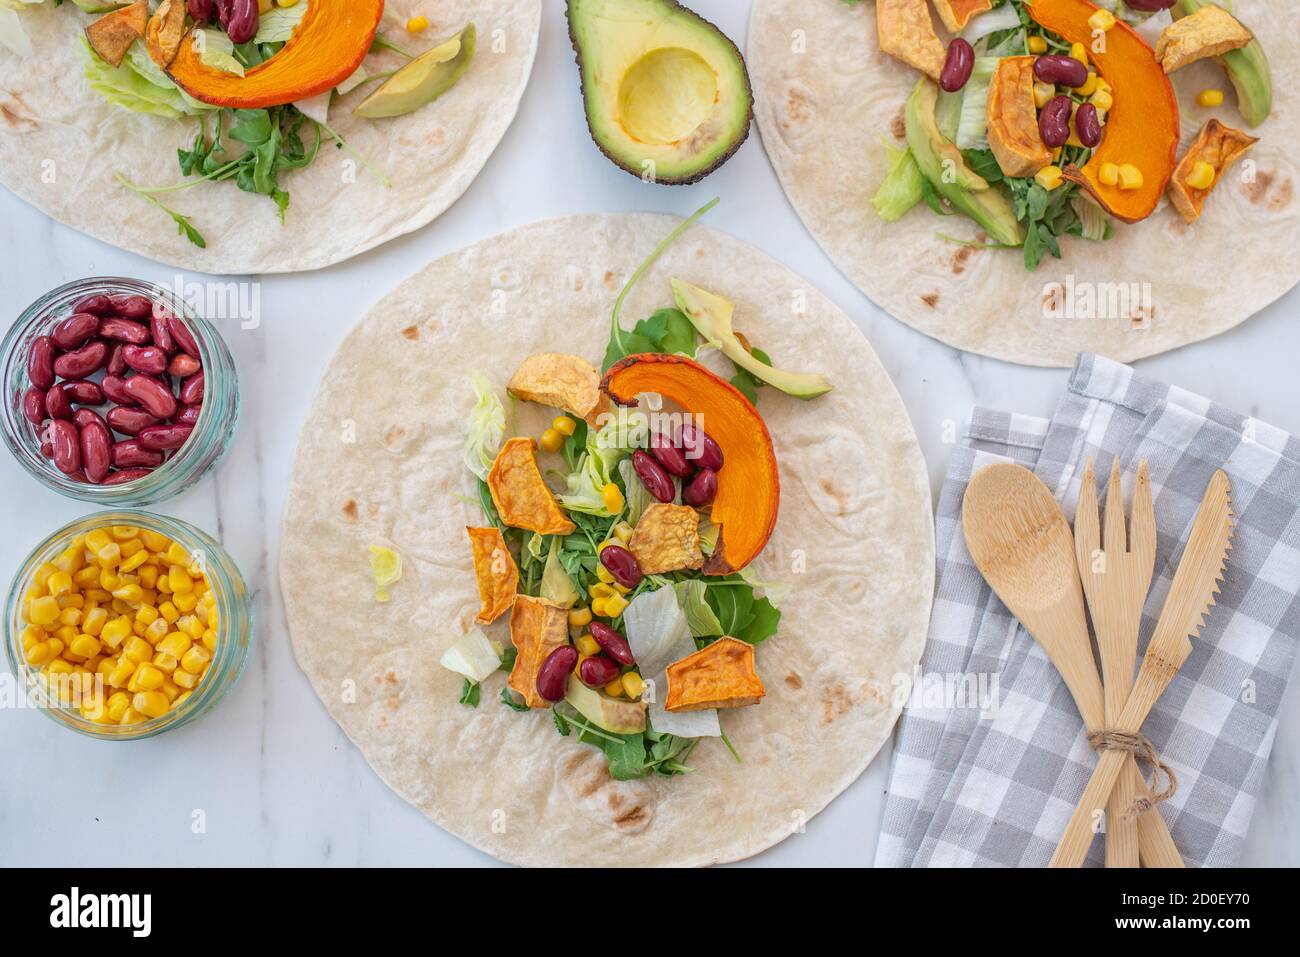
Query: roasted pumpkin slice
x=537, y=627
x=520, y=494
x=1218, y=147
x=328, y=46
x=495, y=571
x=1013, y=119
x=720, y=675
x=1142, y=127
x=749, y=489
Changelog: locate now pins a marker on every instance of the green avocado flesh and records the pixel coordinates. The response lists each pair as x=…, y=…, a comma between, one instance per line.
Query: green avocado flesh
x=942, y=164
x=666, y=93
x=710, y=314
x=610, y=714
x=423, y=80
x=1247, y=68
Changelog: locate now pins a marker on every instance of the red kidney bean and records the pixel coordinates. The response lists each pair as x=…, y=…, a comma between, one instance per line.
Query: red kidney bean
x=164, y=438
x=183, y=365
x=47, y=449
x=553, y=675
x=152, y=395
x=96, y=448
x=1088, y=125
x=160, y=333
x=192, y=389
x=83, y=391
x=1065, y=70
x=148, y=359
x=957, y=66
x=131, y=454
x=241, y=20
x=181, y=333
x=653, y=476
x=124, y=330
x=598, y=671
x=96, y=305
x=34, y=405
x=1054, y=122
x=114, y=387
x=699, y=447
x=132, y=306
x=129, y=421
x=40, y=362
x=57, y=404
x=201, y=10
x=82, y=363
x=66, y=446
x=669, y=455
x=116, y=364
x=188, y=415
x=82, y=416
x=702, y=489
x=622, y=564
x=612, y=643
x=122, y=476
x=74, y=331
x=1151, y=6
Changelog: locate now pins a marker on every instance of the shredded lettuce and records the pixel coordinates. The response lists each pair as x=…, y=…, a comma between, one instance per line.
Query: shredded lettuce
x=557, y=586
x=277, y=24
x=585, y=485
x=473, y=656
x=217, y=50
x=386, y=567
x=487, y=427
x=1004, y=17
x=659, y=634
x=637, y=495
x=137, y=84
x=1094, y=222
x=901, y=188
x=13, y=34
x=700, y=616
x=973, y=127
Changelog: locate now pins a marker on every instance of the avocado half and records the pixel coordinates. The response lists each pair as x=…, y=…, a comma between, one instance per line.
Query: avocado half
x=666, y=93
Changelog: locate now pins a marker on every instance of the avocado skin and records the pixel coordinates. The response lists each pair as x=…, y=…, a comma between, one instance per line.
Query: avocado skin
x=688, y=179
x=988, y=206
x=1247, y=68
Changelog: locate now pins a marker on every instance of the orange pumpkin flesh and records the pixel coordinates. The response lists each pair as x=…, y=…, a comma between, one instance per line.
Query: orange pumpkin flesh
x=749, y=489
x=326, y=48
x=955, y=14
x=1142, y=128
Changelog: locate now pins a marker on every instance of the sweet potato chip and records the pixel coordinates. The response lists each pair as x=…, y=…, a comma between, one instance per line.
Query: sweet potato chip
x=560, y=381
x=520, y=495
x=537, y=627
x=111, y=35
x=667, y=539
x=1013, y=119
x=165, y=32
x=1216, y=144
x=906, y=32
x=1210, y=31
x=494, y=567
x=720, y=675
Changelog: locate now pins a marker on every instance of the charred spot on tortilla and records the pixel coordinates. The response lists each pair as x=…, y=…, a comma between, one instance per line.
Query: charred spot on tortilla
x=411, y=332
x=350, y=510
x=931, y=299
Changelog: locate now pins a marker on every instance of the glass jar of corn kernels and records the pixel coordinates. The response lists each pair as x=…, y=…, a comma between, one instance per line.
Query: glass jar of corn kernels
x=124, y=624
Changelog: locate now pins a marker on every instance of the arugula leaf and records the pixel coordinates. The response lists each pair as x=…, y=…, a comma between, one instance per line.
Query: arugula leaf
x=746, y=381
x=575, y=445
x=183, y=225
x=561, y=725
x=762, y=626
x=469, y=693
x=625, y=754
x=489, y=507
x=508, y=659
x=508, y=699
x=983, y=163
x=1045, y=215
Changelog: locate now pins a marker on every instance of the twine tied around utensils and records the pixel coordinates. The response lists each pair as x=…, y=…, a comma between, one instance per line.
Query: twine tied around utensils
x=1140, y=746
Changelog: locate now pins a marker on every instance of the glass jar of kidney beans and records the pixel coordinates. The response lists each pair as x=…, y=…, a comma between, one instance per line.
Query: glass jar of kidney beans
x=116, y=392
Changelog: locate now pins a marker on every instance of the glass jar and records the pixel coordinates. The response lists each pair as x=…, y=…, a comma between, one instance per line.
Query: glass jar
x=206, y=445
x=234, y=626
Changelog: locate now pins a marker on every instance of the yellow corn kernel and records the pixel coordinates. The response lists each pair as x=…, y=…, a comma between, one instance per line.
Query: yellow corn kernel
x=1102, y=100
x=60, y=583
x=32, y=635
x=577, y=669
x=177, y=555
x=602, y=590
x=97, y=539
x=165, y=663
x=551, y=441
x=1202, y=176
x=152, y=704
x=121, y=673
x=210, y=640
x=186, y=603
x=132, y=547
x=147, y=614
x=417, y=24
x=70, y=616
x=137, y=650
x=171, y=689
x=109, y=556
x=1102, y=20
x=56, y=645
x=43, y=610
x=72, y=559
x=604, y=574
x=615, y=606
x=1079, y=52
x=588, y=645
x=39, y=653
x=623, y=532
x=113, y=633
x=1109, y=174
x=132, y=594
x=149, y=576
x=117, y=704
x=598, y=607
x=1089, y=86
x=1210, y=98
x=1043, y=93
x=135, y=561
x=108, y=580
x=72, y=600
x=93, y=707
x=191, y=626
x=614, y=501
x=153, y=540
x=124, y=532
x=156, y=631
x=42, y=576
x=88, y=577
x=131, y=716
x=1130, y=177
x=185, y=680
x=105, y=666
x=87, y=646
x=180, y=580
x=147, y=677
x=633, y=686
x=169, y=611
x=177, y=643
x=1036, y=45
x=564, y=425
x=615, y=688
x=578, y=617
x=184, y=695
x=97, y=595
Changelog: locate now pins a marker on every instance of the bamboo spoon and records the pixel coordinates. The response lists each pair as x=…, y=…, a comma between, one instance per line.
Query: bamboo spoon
x=1190, y=599
x=1116, y=580
x=1023, y=547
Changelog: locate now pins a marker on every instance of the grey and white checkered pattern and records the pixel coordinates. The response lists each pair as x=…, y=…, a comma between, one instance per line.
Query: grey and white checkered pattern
x=975, y=785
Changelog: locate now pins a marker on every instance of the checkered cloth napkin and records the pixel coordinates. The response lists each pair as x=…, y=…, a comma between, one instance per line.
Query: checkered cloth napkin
x=991, y=755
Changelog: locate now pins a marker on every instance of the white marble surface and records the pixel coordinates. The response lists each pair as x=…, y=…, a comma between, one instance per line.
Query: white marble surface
x=276, y=779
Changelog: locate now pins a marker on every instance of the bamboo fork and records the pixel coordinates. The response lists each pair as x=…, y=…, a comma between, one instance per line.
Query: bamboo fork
x=1116, y=579
x=1190, y=599
x=1022, y=545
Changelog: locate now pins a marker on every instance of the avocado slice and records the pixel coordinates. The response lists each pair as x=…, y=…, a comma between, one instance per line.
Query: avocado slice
x=666, y=93
x=609, y=714
x=423, y=80
x=943, y=165
x=710, y=314
x=1247, y=68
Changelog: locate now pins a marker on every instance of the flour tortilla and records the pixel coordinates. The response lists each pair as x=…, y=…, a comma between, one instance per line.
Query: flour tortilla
x=824, y=112
x=48, y=112
x=379, y=462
